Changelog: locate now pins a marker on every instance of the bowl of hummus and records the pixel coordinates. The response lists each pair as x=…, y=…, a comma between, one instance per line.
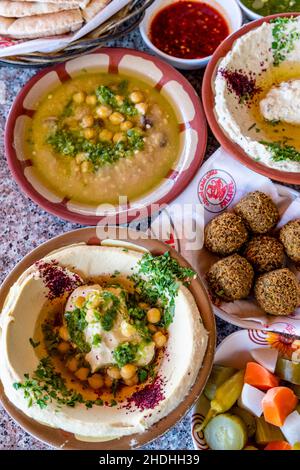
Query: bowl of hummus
x=92, y=336
x=250, y=93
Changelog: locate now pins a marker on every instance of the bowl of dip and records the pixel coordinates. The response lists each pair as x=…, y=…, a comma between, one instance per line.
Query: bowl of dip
x=105, y=135
x=255, y=9
x=186, y=33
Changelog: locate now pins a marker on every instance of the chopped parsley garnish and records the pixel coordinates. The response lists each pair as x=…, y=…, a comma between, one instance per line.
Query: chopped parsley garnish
x=283, y=41
x=125, y=353
x=96, y=340
x=69, y=143
x=107, y=96
x=282, y=152
x=76, y=324
x=33, y=343
x=161, y=284
x=109, y=312
x=46, y=385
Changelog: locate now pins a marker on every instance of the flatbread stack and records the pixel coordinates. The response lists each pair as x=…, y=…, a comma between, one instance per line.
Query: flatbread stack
x=30, y=19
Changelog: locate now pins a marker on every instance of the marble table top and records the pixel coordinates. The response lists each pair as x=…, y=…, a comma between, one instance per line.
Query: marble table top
x=24, y=226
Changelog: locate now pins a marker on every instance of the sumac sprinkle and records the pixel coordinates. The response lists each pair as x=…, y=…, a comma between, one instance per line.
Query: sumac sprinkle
x=149, y=397
x=57, y=279
x=241, y=83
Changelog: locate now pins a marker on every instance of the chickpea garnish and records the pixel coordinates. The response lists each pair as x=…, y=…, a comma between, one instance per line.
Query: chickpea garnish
x=108, y=381
x=136, y=97
x=119, y=99
x=63, y=333
x=153, y=315
x=126, y=125
x=116, y=118
x=143, y=305
x=141, y=108
x=72, y=364
x=133, y=381
x=152, y=328
x=103, y=111
x=113, y=372
x=96, y=381
x=82, y=373
x=63, y=347
x=80, y=300
x=79, y=97
x=128, y=371
x=119, y=137
x=91, y=100
x=159, y=339
x=89, y=133
x=87, y=121
x=85, y=167
x=105, y=135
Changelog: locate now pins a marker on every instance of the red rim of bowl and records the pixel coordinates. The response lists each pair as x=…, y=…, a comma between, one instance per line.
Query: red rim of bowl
x=208, y=103
x=59, y=209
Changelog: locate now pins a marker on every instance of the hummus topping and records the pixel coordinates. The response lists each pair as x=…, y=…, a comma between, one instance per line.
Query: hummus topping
x=282, y=103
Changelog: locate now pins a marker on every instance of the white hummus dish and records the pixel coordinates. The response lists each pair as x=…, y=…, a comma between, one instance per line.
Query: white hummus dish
x=257, y=93
x=101, y=342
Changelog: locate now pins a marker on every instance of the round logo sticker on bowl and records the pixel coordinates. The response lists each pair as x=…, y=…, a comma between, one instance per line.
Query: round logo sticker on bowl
x=216, y=190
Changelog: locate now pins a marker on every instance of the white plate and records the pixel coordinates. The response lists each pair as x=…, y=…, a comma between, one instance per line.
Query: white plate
x=234, y=351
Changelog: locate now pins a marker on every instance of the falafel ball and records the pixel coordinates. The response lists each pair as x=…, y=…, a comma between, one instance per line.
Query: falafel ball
x=290, y=237
x=277, y=292
x=265, y=253
x=231, y=278
x=258, y=211
x=225, y=234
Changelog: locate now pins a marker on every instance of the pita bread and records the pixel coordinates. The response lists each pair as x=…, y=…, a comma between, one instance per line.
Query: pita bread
x=19, y=9
x=93, y=8
x=50, y=24
x=5, y=24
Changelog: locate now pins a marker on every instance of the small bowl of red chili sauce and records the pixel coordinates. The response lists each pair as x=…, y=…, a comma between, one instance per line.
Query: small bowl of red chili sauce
x=186, y=33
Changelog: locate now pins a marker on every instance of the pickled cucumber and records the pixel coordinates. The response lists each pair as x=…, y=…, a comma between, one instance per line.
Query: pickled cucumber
x=226, y=432
x=288, y=370
x=248, y=419
x=266, y=432
x=218, y=376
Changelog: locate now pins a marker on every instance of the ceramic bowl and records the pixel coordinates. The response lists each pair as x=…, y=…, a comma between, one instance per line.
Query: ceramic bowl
x=177, y=90
x=65, y=440
x=208, y=99
x=229, y=9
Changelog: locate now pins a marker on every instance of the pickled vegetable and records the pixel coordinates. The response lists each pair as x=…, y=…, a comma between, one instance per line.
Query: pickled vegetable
x=259, y=377
x=248, y=419
x=288, y=370
x=225, y=397
x=226, y=432
x=266, y=433
x=296, y=446
x=218, y=376
x=277, y=404
x=250, y=448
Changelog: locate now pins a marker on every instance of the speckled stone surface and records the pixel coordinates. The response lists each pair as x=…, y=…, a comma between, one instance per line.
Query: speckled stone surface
x=24, y=226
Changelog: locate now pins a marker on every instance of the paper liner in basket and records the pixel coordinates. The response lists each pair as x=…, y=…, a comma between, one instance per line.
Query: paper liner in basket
x=219, y=184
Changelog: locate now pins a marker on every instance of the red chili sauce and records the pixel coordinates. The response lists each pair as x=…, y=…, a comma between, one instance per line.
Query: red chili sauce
x=188, y=29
